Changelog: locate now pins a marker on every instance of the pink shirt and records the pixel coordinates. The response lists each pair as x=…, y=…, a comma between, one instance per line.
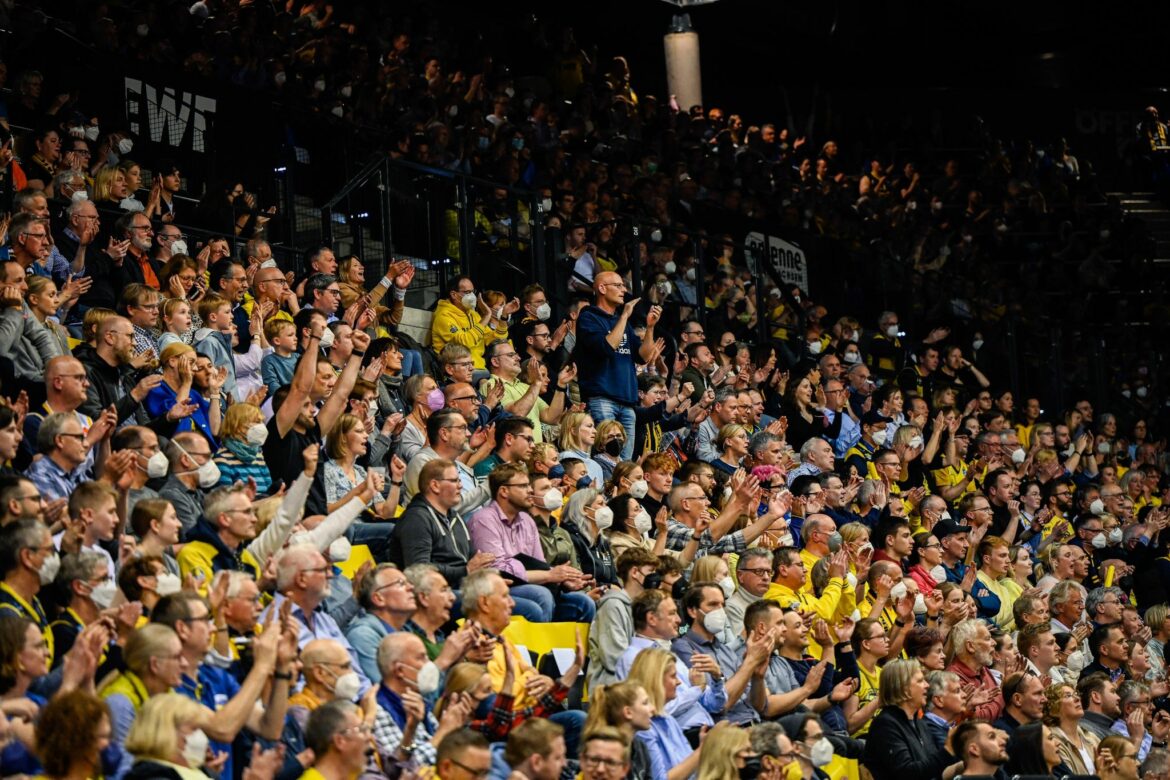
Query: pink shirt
x=492, y=532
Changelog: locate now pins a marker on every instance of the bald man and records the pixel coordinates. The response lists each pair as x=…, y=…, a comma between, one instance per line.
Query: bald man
x=324, y=665
x=607, y=349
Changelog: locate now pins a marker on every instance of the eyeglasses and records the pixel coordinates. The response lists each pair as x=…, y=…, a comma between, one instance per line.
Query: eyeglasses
x=361, y=728
x=398, y=584
x=462, y=427
x=756, y=572
x=462, y=364
x=481, y=772
x=148, y=306
x=79, y=436
x=608, y=763
x=36, y=235
x=456, y=480
x=208, y=618
x=465, y=397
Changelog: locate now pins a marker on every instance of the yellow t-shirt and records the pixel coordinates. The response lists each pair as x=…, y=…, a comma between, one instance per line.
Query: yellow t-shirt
x=867, y=692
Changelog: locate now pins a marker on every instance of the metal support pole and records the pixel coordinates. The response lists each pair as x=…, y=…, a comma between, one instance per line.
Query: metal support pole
x=387, y=232
x=700, y=281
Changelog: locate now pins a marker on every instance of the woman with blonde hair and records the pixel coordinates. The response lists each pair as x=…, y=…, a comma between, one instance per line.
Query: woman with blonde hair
x=241, y=455
x=166, y=739
x=346, y=479
x=44, y=301
x=541, y=458
x=724, y=753
x=1076, y=744
x=607, y=446
x=627, y=707
x=578, y=433
x=671, y=756
x=899, y=745
x=176, y=392
x=109, y=187
x=732, y=441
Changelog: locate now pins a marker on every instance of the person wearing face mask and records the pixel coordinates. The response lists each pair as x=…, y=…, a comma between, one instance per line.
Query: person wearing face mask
x=30, y=562
x=613, y=625
x=810, y=747
x=859, y=458
x=631, y=526
x=150, y=462
x=241, y=454
x=328, y=676
x=86, y=587
x=144, y=578
x=586, y=518
x=887, y=355
x=504, y=529
x=192, y=474
x=547, y=503
x=701, y=648
x=402, y=719
x=463, y=317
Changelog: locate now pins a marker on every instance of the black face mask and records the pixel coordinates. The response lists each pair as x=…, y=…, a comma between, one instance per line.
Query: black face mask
x=613, y=447
x=679, y=589
x=751, y=768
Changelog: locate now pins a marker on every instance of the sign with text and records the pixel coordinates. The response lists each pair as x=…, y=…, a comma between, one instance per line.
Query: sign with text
x=169, y=117
x=786, y=258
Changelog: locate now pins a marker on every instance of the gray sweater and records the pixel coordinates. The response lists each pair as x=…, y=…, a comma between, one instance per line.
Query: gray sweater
x=29, y=343
x=609, y=636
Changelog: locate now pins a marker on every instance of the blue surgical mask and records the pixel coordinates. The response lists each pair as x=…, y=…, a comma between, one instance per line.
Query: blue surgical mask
x=483, y=142
x=584, y=483
x=517, y=143
x=111, y=758
x=556, y=472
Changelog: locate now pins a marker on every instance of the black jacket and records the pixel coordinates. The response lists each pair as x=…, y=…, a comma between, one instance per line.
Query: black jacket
x=112, y=385
x=422, y=535
x=898, y=748
x=151, y=770
x=596, y=559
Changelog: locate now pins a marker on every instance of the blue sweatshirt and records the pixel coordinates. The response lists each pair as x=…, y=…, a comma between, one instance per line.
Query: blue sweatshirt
x=602, y=370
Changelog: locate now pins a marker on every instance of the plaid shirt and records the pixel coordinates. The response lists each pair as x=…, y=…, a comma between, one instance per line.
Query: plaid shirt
x=145, y=341
x=388, y=737
x=504, y=716
x=678, y=536
x=801, y=470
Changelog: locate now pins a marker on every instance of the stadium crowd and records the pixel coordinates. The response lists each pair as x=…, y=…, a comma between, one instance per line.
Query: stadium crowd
x=843, y=550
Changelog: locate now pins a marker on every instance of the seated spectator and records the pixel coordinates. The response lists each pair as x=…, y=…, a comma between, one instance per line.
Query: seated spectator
x=202, y=414
x=1075, y=743
x=153, y=656
x=463, y=750
x=899, y=745
x=64, y=448
x=418, y=536
x=504, y=530
x=240, y=458
x=613, y=625
x=328, y=676
x=402, y=720
x=671, y=756
x=486, y=601
x=463, y=317
x=339, y=739
x=535, y=750
x=578, y=434
x=387, y=600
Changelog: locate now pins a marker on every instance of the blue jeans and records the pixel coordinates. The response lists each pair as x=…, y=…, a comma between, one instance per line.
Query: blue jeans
x=572, y=721
x=376, y=536
x=608, y=409
x=574, y=608
x=412, y=362
x=534, y=603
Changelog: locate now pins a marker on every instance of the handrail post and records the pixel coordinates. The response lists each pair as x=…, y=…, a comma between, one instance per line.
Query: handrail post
x=700, y=281
x=466, y=228
x=387, y=232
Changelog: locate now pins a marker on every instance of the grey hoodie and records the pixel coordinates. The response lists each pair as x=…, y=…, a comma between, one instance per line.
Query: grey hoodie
x=29, y=343
x=609, y=636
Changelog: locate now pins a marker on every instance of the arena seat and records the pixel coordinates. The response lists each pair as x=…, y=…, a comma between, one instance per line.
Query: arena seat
x=358, y=556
